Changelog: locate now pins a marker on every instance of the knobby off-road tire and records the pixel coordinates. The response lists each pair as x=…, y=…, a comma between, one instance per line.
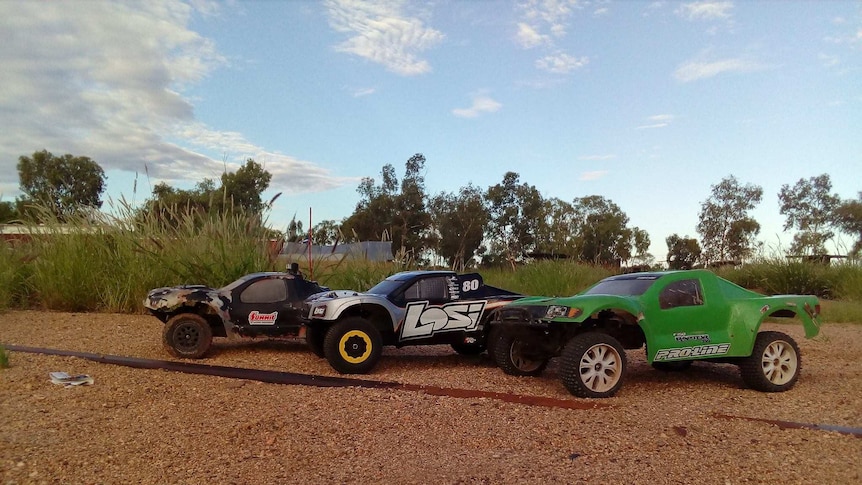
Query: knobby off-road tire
x=353, y=346
x=774, y=364
x=188, y=336
x=314, y=339
x=515, y=356
x=593, y=364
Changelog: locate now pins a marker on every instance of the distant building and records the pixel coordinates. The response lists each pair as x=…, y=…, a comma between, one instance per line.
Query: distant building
x=367, y=250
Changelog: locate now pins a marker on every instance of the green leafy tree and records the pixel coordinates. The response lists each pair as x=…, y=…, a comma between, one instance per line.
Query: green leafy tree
x=244, y=187
x=8, y=212
x=393, y=211
x=65, y=185
x=412, y=220
x=515, y=212
x=239, y=191
x=848, y=216
x=603, y=236
x=810, y=208
x=459, y=221
x=374, y=214
x=682, y=252
x=641, y=243
x=726, y=229
x=325, y=233
x=557, y=231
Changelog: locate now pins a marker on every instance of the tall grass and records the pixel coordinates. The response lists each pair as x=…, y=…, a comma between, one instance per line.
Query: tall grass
x=110, y=264
x=547, y=278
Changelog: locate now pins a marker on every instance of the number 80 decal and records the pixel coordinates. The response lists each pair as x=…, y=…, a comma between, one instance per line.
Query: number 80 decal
x=470, y=285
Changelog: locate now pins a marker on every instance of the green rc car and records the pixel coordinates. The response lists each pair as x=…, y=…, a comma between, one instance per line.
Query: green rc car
x=680, y=316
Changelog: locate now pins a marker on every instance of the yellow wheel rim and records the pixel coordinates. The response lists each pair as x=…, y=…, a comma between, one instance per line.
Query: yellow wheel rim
x=355, y=346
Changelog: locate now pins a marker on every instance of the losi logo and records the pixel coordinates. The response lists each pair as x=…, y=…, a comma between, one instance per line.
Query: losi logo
x=257, y=318
x=421, y=321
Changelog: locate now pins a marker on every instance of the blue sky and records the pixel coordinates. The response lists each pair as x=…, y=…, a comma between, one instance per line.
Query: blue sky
x=644, y=103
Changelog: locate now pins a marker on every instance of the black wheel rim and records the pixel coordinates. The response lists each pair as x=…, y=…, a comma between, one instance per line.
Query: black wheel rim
x=187, y=336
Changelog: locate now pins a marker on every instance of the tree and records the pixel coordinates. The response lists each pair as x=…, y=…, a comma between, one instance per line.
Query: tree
x=411, y=217
x=325, y=233
x=459, y=220
x=8, y=213
x=727, y=231
x=682, y=252
x=515, y=211
x=392, y=211
x=244, y=187
x=556, y=234
x=239, y=191
x=603, y=236
x=641, y=243
x=809, y=207
x=848, y=217
x=64, y=185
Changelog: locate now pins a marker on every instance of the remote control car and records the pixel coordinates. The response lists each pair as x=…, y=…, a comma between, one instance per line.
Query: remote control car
x=256, y=305
x=680, y=316
x=408, y=308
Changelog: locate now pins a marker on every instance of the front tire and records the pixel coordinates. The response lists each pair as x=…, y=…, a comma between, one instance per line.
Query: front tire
x=593, y=365
x=187, y=336
x=515, y=356
x=774, y=364
x=353, y=346
x=314, y=339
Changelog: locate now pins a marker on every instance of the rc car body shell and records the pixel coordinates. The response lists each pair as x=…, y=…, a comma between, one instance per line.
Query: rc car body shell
x=266, y=304
x=673, y=310
x=416, y=307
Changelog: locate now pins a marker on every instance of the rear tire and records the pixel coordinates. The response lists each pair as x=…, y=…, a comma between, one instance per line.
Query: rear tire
x=187, y=336
x=515, y=356
x=353, y=346
x=774, y=364
x=593, y=365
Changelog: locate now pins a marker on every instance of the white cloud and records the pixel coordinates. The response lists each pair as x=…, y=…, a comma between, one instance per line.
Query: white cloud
x=657, y=121
x=106, y=80
x=561, y=63
x=383, y=33
x=481, y=104
x=360, y=92
x=543, y=19
x=696, y=70
x=528, y=38
x=705, y=10
x=593, y=175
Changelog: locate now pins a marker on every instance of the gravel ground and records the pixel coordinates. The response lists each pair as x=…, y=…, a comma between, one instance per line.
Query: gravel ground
x=153, y=426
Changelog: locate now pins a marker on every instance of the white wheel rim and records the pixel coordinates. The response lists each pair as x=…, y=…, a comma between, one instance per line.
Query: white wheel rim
x=601, y=367
x=523, y=364
x=779, y=362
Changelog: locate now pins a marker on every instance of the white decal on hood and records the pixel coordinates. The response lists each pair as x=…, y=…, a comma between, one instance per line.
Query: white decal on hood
x=421, y=321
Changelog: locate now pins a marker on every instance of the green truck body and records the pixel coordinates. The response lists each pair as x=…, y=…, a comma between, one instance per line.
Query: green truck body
x=679, y=316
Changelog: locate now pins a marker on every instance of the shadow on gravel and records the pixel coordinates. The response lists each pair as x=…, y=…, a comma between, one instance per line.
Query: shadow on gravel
x=276, y=377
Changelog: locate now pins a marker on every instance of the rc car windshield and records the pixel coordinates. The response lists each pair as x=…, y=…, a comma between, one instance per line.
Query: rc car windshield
x=621, y=287
x=385, y=287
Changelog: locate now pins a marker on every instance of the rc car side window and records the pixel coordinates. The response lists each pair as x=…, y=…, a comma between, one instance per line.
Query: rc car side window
x=264, y=291
x=681, y=293
x=428, y=289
